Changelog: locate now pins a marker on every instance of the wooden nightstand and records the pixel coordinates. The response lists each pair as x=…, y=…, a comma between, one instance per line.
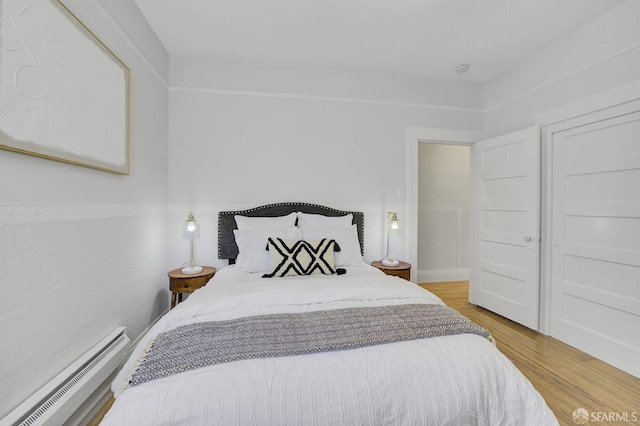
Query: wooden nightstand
x=180, y=283
x=402, y=269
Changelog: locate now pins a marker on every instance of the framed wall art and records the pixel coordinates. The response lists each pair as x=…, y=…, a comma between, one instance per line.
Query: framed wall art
x=64, y=93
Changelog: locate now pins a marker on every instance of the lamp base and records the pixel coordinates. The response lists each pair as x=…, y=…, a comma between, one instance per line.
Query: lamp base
x=387, y=261
x=191, y=270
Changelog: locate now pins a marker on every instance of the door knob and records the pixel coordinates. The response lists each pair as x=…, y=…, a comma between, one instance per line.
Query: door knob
x=527, y=239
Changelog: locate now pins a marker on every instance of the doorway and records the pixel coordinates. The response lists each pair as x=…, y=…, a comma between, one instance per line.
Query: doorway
x=444, y=220
x=491, y=162
x=414, y=136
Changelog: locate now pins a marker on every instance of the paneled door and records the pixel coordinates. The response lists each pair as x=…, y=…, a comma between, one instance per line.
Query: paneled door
x=506, y=178
x=595, y=289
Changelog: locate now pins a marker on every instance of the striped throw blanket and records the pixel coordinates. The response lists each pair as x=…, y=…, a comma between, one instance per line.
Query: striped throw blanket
x=276, y=335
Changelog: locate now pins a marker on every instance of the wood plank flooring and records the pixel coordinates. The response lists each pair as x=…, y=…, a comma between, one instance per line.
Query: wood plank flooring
x=566, y=377
x=95, y=421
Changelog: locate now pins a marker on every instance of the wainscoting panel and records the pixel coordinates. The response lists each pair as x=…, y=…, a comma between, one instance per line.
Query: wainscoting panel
x=441, y=245
x=71, y=274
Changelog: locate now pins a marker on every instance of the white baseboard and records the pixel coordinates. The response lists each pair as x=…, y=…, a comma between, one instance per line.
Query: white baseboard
x=443, y=275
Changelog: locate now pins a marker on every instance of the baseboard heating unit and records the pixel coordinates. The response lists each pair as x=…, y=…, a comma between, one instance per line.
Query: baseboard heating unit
x=56, y=401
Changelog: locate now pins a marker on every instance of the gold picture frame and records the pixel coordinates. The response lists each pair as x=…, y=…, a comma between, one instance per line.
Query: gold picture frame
x=65, y=94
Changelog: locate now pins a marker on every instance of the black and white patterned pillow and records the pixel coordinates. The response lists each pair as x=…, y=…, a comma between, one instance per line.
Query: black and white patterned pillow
x=298, y=257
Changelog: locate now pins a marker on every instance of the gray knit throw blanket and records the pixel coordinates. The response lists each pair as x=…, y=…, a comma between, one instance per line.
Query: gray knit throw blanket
x=276, y=335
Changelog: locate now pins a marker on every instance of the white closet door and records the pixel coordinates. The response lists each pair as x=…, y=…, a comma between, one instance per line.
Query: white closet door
x=595, y=289
x=506, y=236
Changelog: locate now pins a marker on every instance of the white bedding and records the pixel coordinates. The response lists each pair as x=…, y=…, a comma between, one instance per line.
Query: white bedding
x=452, y=380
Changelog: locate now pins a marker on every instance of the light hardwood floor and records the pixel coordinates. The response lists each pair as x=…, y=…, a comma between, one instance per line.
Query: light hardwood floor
x=566, y=377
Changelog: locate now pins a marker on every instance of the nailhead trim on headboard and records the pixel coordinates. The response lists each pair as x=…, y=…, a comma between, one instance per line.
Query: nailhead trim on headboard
x=227, y=248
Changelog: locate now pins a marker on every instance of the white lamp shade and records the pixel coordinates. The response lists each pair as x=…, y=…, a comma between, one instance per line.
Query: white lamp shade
x=191, y=228
x=394, y=223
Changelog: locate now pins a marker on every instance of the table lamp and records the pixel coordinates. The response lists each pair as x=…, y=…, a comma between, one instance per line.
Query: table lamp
x=393, y=225
x=191, y=231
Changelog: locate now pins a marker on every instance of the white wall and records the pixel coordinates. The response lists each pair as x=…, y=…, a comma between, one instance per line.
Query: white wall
x=243, y=134
x=84, y=251
x=443, y=212
x=599, y=56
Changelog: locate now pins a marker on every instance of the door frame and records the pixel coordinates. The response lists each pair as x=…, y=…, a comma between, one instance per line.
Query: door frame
x=414, y=136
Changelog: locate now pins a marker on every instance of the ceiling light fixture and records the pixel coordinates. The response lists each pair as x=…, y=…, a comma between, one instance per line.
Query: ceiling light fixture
x=462, y=68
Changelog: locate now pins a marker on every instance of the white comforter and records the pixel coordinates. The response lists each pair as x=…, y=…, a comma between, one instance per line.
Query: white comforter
x=452, y=380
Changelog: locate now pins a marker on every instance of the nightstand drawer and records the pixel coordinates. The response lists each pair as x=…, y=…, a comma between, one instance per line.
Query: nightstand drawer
x=402, y=269
x=405, y=273
x=187, y=285
x=180, y=283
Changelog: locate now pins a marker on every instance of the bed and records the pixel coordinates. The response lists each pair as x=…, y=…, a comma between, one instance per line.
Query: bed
x=221, y=357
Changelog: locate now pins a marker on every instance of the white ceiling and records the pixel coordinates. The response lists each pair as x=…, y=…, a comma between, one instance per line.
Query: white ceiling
x=414, y=37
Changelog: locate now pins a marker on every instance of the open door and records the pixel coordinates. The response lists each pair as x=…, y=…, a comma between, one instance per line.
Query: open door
x=506, y=243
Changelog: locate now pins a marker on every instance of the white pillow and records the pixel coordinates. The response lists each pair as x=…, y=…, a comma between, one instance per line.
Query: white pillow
x=246, y=223
x=347, y=239
x=253, y=255
x=307, y=220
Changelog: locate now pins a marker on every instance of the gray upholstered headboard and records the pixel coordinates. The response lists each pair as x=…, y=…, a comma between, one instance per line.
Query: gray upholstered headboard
x=227, y=248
